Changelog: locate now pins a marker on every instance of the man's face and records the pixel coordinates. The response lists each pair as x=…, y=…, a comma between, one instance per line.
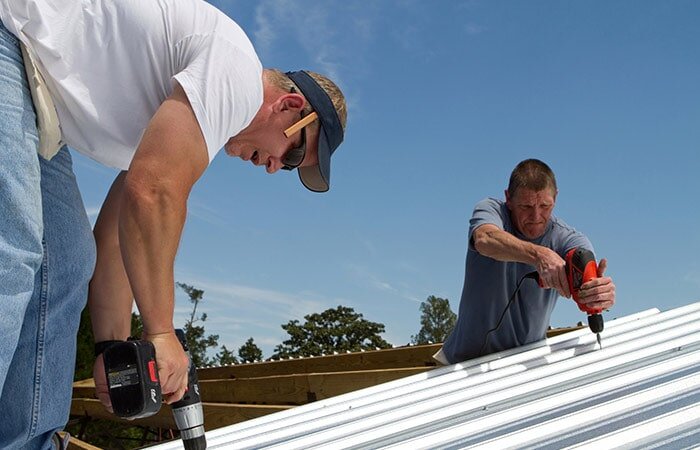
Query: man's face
x=269, y=148
x=264, y=143
x=530, y=210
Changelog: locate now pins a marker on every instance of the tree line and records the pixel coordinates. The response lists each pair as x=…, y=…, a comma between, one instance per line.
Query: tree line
x=339, y=329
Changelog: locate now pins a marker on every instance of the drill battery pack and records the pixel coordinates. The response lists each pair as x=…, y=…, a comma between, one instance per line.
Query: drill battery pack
x=132, y=378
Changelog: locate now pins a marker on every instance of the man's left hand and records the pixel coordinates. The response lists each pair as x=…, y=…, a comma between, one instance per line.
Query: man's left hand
x=598, y=293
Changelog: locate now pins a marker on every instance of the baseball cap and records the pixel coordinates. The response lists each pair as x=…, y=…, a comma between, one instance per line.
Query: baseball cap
x=317, y=178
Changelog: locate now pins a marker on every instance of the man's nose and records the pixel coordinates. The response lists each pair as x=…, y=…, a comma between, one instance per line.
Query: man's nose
x=273, y=166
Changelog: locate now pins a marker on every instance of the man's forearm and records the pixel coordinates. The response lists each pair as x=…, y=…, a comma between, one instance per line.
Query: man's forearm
x=110, y=299
x=491, y=241
x=150, y=226
x=143, y=230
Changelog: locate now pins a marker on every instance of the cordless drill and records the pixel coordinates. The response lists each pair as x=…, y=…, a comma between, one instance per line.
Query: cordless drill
x=135, y=392
x=581, y=267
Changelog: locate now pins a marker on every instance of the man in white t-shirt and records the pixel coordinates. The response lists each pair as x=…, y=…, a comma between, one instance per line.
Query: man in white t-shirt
x=154, y=88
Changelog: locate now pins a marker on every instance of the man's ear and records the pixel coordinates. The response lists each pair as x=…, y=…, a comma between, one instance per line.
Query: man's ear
x=509, y=200
x=290, y=101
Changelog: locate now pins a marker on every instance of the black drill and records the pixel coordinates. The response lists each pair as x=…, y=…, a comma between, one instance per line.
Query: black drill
x=134, y=388
x=188, y=412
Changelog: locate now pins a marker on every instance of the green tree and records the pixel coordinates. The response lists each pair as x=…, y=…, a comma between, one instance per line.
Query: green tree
x=197, y=342
x=249, y=351
x=225, y=356
x=136, y=325
x=437, y=321
x=85, y=356
x=340, y=329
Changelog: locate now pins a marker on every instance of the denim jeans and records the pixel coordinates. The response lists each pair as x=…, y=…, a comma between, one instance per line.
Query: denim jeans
x=47, y=256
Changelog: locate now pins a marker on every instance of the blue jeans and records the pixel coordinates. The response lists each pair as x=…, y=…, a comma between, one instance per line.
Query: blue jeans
x=47, y=256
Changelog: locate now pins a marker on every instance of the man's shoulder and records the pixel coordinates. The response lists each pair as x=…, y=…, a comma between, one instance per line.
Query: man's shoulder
x=490, y=203
x=490, y=211
x=490, y=207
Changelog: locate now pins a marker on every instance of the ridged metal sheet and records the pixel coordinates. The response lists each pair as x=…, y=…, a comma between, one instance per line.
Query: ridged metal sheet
x=642, y=390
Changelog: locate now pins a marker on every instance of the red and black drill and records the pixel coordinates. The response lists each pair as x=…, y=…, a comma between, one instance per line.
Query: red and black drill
x=135, y=392
x=581, y=267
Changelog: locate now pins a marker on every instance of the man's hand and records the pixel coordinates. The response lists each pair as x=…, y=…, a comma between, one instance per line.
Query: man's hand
x=173, y=365
x=101, y=389
x=598, y=293
x=552, y=271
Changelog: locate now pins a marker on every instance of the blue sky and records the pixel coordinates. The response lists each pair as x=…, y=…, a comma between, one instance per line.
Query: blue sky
x=444, y=99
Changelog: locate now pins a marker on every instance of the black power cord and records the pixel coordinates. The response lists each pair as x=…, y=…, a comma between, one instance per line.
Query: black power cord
x=532, y=275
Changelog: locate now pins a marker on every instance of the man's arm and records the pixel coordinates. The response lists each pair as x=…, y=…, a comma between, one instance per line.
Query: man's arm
x=109, y=296
x=491, y=241
x=148, y=209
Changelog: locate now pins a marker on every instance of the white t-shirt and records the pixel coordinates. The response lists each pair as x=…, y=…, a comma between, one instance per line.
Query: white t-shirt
x=109, y=64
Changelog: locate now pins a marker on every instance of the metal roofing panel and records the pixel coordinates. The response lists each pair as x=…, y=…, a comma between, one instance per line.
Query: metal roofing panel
x=642, y=389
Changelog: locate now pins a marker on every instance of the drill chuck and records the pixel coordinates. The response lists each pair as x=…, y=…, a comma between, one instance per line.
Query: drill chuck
x=187, y=412
x=190, y=422
x=595, y=323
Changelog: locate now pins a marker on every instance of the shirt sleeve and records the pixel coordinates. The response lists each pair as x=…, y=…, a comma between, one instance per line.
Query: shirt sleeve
x=223, y=84
x=486, y=211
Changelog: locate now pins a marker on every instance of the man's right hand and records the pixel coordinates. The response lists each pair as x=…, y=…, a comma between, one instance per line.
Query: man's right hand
x=552, y=271
x=173, y=365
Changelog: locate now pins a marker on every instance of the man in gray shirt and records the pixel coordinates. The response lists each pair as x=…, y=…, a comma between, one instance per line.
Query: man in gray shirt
x=508, y=240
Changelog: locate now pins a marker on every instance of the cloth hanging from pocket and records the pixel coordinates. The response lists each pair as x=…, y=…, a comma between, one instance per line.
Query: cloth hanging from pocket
x=50, y=140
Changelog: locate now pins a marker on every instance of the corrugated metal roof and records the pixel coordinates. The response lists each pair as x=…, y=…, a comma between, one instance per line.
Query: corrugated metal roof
x=641, y=390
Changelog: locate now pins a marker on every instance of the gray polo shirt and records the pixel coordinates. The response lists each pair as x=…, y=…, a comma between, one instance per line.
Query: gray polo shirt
x=488, y=284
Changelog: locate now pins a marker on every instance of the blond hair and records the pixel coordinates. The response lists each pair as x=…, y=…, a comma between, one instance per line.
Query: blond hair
x=282, y=81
